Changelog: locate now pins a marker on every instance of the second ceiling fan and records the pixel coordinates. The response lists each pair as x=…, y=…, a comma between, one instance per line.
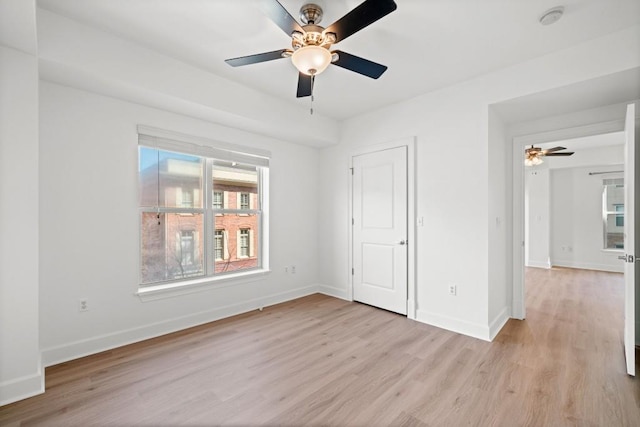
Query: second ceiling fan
x=533, y=155
x=310, y=43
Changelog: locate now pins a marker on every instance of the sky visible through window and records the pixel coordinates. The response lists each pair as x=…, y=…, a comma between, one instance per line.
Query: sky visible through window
x=150, y=157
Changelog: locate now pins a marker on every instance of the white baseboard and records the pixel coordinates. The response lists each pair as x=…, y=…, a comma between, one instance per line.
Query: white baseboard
x=77, y=349
x=21, y=388
x=589, y=266
x=334, y=292
x=498, y=323
x=538, y=264
x=463, y=327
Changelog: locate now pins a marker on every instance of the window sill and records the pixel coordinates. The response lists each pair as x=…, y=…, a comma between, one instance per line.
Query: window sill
x=615, y=251
x=168, y=290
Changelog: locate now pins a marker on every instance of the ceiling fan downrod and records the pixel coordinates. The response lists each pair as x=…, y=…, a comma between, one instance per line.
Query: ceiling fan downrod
x=311, y=14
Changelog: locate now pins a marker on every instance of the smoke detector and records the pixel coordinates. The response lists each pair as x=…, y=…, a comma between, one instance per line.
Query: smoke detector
x=552, y=15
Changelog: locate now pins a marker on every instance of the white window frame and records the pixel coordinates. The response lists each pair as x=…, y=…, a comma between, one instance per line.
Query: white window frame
x=211, y=151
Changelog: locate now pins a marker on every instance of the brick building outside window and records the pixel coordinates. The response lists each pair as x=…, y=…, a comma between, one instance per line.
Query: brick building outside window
x=173, y=216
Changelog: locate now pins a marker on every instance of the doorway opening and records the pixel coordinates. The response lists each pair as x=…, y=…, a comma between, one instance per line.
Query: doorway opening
x=550, y=216
x=556, y=208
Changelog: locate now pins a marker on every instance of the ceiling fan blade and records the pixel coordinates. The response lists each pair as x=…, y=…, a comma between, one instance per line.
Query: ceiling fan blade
x=359, y=65
x=551, y=150
x=363, y=15
x=305, y=85
x=278, y=14
x=568, y=153
x=254, y=59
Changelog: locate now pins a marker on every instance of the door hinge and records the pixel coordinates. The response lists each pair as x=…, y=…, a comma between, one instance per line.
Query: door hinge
x=353, y=272
x=353, y=221
x=351, y=170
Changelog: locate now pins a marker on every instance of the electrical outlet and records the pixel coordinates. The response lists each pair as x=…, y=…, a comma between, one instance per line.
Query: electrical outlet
x=293, y=269
x=452, y=290
x=83, y=304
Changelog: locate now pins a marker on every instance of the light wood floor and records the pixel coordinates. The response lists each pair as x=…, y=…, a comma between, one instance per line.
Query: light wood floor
x=324, y=361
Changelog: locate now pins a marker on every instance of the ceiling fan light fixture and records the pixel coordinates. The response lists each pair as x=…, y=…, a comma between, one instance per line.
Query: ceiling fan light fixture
x=533, y=161
x=311, y=60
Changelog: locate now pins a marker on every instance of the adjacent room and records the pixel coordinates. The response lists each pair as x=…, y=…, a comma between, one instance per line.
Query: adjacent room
x=350, y=212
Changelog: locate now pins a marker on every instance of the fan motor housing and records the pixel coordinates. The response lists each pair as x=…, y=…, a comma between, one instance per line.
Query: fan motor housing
x=313, y=35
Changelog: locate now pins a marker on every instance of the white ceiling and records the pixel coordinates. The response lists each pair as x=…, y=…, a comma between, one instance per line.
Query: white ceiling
x=611, y=89
x=587, y=142
x=427, y=44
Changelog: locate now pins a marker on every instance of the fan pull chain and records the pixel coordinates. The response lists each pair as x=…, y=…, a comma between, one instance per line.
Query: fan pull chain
x=313, y=79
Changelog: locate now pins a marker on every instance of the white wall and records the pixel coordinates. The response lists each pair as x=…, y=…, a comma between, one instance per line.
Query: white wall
x=80, y=56
x=452, y=130
x=89, y=226
x=576, y=220
x=88, y=197
x=20, y=369
x=499, y=225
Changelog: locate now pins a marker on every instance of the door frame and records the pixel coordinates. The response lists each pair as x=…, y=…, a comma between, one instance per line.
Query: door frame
x=518, y=309
x=410, y=144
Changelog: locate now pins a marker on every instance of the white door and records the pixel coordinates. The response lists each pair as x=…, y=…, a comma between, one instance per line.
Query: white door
x=380, y=229
x=629, y=240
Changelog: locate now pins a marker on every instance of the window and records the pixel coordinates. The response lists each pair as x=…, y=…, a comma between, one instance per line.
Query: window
x=242, y=223
x=620, y=217
x=244, y=243
x=187, y=230
x=187, y=248
x=186, y=199
x=219, y=245
x=613, y=213
x=244, y=201
x=218, y=199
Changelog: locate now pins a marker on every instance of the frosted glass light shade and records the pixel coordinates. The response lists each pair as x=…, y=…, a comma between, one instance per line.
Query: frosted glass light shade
x=533, y=161
x=311, y=60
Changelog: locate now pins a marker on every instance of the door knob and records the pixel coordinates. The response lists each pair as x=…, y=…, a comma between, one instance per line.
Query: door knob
x=622, y=257
x=402, y=242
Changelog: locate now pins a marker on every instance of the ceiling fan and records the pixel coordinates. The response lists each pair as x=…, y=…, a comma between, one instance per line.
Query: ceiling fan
x=533, y=155
x=310, y=43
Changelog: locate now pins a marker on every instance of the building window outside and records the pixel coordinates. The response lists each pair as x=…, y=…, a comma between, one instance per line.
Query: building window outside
x=219, y=245
x=187, y=199
x=613, y=213
x=244, y=243
x=187, y=230
x=187, y=248
x=244, y=201
x=218, y=197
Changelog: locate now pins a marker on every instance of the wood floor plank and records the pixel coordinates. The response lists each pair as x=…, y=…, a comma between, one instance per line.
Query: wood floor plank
x=324, y=361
